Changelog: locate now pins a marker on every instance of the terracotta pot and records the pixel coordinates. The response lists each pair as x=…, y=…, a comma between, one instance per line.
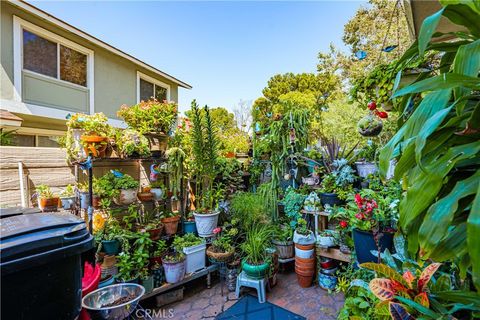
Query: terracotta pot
x=95, y=145
x=171, y=225
x=50, y=204
x=305, y=269
x=156, y=233
x=304, y=246
x=230, y=154
x=145, y=196
x=109, y=261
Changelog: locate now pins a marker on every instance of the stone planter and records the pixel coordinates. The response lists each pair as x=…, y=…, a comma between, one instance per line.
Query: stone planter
x=126, y=197
x=206, y=222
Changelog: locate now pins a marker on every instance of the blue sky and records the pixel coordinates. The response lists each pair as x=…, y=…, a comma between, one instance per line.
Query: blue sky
x=226, y=50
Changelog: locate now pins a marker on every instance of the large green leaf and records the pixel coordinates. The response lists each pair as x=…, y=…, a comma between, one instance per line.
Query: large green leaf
x=440, y=215
x=465, y=297
x=443, y=81
x=454, y=245
x=430, y=126
x=473, y=238
x=427, y=30
x=428, y=183
x=466, y=64
x=464, y=15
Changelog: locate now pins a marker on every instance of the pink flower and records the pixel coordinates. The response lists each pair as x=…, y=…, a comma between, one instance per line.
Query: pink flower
x=217, y=230
x=359, y=216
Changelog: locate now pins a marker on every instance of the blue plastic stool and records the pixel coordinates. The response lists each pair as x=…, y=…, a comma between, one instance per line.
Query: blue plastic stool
x=245, y=281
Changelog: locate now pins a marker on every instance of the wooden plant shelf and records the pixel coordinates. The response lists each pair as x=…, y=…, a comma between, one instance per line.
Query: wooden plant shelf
x=189, y=277
x=333, y=253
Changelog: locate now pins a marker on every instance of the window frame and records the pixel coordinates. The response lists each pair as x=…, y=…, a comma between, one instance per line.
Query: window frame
x=152, y=80
x=18, y=26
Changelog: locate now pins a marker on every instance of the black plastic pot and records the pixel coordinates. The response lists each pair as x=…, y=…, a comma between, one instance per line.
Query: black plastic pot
x=330, y=199
x=364, y=243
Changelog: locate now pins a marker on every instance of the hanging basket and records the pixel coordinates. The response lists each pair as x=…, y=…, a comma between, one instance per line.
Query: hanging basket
x=370, y=126
x=219, y=256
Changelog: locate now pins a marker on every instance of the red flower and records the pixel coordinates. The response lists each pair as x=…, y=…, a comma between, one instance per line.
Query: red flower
x=343, y=224
x=383, y=115
x=359, y=216
x=372, y=105
x=217, y=230
x=358, y=200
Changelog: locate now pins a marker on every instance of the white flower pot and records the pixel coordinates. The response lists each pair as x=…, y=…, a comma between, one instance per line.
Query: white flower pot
x=195, y=257
x=157, y=193
x=126, y=197
x=326, y=241
x=206, y=222
x=304, y=254
x=366, y=168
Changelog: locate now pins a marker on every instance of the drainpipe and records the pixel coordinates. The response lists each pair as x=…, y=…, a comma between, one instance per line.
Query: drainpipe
x=22, y=184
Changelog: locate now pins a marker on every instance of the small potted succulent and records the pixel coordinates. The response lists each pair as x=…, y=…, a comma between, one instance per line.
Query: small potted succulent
x=326, y=239
x=256, y=261
x=222, y=248
x=170, y=220
x=152, y=118
x=366, y=160
x=282, y=240
x=174, y=266
x=126, y=189
x=160, y=247
x=312, y=202
x=194, y=249
x=47, y=200
x=67, y=196
x=132, y=144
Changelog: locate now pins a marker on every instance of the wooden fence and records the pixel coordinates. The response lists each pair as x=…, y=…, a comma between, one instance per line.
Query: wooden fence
x=48, y=166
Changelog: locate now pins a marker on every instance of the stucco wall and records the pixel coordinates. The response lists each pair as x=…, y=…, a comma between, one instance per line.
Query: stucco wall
x=115, y=78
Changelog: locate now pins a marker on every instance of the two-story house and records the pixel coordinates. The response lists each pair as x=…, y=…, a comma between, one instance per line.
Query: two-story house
x=50, y=69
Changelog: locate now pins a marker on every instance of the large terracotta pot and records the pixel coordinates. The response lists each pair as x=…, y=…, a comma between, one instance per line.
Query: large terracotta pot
x=171, y=225
x=305, y=269
x=49, y=204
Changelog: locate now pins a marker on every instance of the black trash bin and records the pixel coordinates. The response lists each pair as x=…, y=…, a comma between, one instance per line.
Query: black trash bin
x=41, y=265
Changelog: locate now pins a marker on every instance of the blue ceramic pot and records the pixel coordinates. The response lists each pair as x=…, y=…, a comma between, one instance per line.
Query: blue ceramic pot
x=327, y=281
x=365, y=243
x=110, y=280
x=111, y=247
x=189, y=227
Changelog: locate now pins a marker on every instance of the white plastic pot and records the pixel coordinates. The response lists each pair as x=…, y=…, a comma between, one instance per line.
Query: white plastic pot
x=68, y=202
x=195, y=257
x=326, y=241
x=304, y=239
x=206, y=222
x=157, y=193
x=366, y=168
x=126, y=197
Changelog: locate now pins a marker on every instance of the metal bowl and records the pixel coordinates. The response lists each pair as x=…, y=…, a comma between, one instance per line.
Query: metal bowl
x=94, y=301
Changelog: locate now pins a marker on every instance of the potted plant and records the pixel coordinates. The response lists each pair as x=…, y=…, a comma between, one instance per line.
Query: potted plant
x=304, y=240
x=157, y=188
x=205, y=153
x=47, y=200
x=67, y=196
x=194, y=249
x=127, y=269
x=145, y=194
x=160, y=247
x=84, y=195
x=174, y=266
x=337, y=184
x=372, y=218
x=96, y=132
x=170, y=220
x=312, y=202
x=132, y=144
x=326, y=239
x=366, y=159
x=189, y=225
x=152, y=118
x=110, y=237
x=222, y=248
x=282, y=239
x=146, y=280
x=255, y=262
x=370, y=126
x=126, y=189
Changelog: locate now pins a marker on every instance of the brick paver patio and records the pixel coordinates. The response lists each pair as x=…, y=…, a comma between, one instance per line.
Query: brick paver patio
x=313, y=303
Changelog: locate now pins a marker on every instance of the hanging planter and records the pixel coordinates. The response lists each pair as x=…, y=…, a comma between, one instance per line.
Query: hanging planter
x=370, y=126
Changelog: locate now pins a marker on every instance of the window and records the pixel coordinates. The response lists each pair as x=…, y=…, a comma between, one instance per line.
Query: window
x=35, y=140
x=149, y=87
x=44, y=56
